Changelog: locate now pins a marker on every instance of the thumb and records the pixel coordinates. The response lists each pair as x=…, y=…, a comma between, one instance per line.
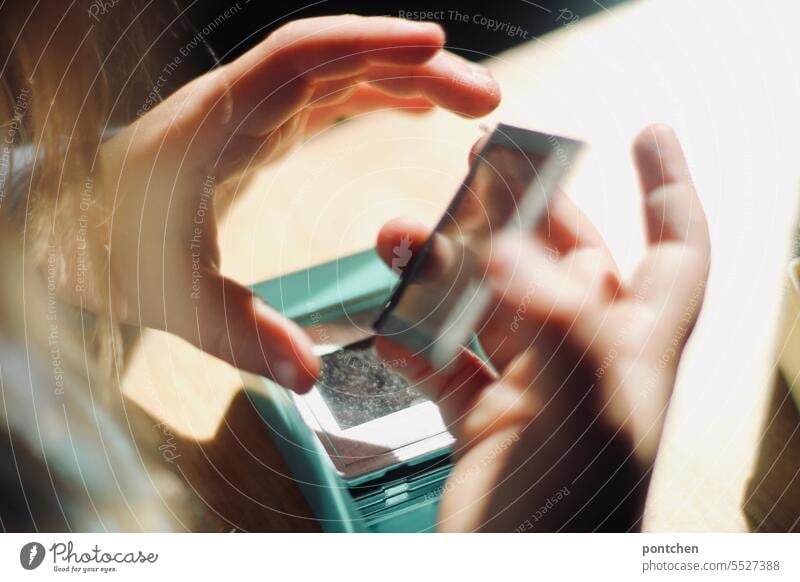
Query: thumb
x=238, y=327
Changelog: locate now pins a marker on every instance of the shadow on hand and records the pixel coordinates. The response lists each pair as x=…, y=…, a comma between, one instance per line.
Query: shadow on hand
x=237, y=479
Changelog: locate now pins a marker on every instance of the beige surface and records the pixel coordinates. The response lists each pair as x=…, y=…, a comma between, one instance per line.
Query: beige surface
x=723, y=74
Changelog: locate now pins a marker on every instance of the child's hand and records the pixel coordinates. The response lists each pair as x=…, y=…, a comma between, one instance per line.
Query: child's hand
x=157, y=212
x=566, y=436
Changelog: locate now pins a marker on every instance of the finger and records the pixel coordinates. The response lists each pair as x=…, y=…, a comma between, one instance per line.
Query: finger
x=362, y=100
x=673, y=212
x=477, y=147
x=397, y=230
x=341, y=46
x=353, y=91
x=454, y=388
x=270, y=82
x=565, y=228
x=236, y=326
x=447, y=80
x=334, y=92
x=400, y=241
x=280, y=142
x=675, y=268
x=532, y=295
x=595, y=271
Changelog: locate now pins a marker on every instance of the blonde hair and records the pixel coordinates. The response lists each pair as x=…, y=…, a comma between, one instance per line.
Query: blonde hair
x=57, y=88
x=61, y=86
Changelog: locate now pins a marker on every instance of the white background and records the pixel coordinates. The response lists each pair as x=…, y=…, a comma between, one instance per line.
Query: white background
x=507, y=557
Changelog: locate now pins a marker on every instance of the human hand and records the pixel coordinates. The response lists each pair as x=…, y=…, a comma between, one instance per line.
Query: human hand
x=564, y=436
x=157, y=211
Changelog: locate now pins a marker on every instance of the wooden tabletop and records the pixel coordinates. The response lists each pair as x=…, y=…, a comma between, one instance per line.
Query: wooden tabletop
x=724, y=75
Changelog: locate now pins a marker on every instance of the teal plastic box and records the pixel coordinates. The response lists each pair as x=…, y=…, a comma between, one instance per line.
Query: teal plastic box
x=400, y=497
